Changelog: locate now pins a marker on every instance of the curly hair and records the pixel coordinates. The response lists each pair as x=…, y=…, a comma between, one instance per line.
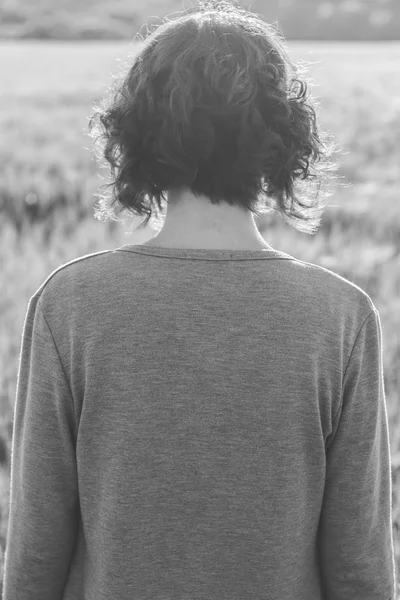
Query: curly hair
x=211, y=104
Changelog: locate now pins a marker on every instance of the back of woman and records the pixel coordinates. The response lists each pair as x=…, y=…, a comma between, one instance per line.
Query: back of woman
x=202, y=415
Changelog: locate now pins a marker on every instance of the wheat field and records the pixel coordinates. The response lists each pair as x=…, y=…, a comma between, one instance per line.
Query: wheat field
x=47, y=168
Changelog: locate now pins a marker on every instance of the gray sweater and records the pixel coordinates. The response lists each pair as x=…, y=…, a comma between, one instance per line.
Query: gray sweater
x=200, y=425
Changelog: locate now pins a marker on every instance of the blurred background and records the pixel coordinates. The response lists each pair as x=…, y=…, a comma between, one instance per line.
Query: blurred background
x=57, y=59
x=116, y=20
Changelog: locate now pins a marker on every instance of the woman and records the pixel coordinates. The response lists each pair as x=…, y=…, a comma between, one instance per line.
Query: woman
x=203, y=416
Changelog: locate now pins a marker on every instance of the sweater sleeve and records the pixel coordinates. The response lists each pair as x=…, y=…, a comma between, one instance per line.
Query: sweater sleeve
x=44, y=503
x=355, y=544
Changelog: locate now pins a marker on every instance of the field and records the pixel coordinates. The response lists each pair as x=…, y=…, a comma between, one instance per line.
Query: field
x=47, y=170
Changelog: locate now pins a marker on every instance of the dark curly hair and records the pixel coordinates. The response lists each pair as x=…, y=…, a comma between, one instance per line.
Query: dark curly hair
x=210, y=105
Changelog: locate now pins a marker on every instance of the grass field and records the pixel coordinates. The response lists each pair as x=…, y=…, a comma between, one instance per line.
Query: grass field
x=46, y=98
